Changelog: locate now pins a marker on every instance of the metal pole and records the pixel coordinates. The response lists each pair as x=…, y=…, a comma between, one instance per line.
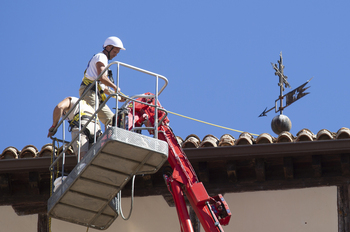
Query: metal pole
x=79, y=139
x=63, y=148
x=156, y=113
x=96, y=102
x=281, y=93
x=116, y=102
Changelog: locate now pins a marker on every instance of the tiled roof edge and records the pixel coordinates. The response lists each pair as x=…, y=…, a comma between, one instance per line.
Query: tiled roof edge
x=193, y=141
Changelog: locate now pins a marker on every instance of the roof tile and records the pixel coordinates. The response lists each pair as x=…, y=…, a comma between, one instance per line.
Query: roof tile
x=265, y=138
x=244, y=139
x=209, y=141
x=285, y=137
x=305, y=135
x=325, y=134
x=343, y=133
x=191, y=141
x=226, y=140
x=28, y=151
x=9, y=153
x=46, y=150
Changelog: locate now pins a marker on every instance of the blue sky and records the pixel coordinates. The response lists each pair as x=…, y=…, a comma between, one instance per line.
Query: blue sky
x=215, y=54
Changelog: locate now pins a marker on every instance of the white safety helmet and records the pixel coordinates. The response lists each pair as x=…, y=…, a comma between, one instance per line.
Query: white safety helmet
x=114, y=41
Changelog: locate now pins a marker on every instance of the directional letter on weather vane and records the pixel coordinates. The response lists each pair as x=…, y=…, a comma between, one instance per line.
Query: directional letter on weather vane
x=292, y=96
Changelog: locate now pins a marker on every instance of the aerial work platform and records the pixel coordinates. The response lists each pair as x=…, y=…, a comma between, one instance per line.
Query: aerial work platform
x=87, y=196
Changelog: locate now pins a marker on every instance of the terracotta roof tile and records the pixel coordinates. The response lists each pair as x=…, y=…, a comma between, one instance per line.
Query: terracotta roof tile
x=265, y=138
x=209, y=141
x=46, y=150
x=285, y=137
x=325, y=135
x=28, y=151
x=9, y=153
x=191, y=141
x=305, y=135
x=226, y=140
x=343, y=133
x=245, y=139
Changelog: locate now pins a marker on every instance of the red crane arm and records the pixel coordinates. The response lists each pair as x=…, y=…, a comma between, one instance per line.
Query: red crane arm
x=212, y=212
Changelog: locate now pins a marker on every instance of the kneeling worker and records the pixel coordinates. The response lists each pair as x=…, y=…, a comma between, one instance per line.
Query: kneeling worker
x=87, y=136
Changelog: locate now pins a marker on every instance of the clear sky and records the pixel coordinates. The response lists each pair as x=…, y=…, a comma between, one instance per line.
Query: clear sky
x=216, y=55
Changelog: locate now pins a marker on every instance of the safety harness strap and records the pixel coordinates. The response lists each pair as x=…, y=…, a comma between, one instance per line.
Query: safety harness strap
x=75, y=123
x=87, y=82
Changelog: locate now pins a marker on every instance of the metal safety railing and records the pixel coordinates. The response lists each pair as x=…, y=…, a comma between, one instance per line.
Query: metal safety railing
x=116, y=95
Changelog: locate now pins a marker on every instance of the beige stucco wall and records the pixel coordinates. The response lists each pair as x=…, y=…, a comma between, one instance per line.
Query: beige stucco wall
x=303, y=210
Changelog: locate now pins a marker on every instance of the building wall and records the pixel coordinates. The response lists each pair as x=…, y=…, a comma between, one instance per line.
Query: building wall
x=302, y=210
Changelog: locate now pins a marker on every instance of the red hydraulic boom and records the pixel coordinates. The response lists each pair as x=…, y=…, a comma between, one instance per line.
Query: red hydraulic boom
x=212, y=212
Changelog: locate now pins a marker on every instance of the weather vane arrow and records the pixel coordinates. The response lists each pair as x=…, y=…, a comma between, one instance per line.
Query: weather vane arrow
x=265, y=112
x=291, y=96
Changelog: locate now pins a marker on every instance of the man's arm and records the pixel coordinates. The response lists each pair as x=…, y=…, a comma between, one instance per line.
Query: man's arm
x=57, y=113
x=104, y=79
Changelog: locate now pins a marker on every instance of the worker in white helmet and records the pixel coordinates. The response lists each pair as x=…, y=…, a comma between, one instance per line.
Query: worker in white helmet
x=96, y=65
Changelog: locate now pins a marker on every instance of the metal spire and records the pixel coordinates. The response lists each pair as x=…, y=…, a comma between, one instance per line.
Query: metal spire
x=292, y=96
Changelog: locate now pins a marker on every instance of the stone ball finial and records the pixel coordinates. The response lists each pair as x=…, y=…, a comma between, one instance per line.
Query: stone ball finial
x=281, y=123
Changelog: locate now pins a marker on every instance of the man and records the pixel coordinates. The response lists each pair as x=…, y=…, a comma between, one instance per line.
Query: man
x=96, y=65
x=86, y=112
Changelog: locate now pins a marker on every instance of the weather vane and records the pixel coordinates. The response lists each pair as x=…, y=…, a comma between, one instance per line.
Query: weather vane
x=281, y=122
